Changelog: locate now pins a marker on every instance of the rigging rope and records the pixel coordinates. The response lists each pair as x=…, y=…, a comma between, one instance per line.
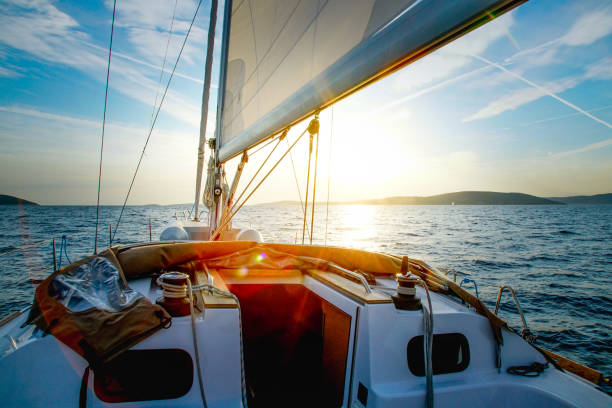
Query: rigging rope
x=331, y=135
x=307, y=188
x=313, y=127
x=264, y=145
x=222, y=225
x=178, y=58
x=230, y=210
x=297, y=185
x=110, y=51
x=314, y=190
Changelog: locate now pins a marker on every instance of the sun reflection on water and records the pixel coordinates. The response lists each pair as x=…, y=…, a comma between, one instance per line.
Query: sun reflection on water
x=359, y=226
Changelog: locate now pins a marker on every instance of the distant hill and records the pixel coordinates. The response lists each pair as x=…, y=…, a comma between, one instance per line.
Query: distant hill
x=593, y=199
x=458, y=198
x=10, y=200
x=464, y=198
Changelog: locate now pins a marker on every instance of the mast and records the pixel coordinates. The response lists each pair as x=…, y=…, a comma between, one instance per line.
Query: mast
x=217, y=185
x=205, y=97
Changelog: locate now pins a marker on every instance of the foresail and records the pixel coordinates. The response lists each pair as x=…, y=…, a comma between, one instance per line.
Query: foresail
x=287, y=58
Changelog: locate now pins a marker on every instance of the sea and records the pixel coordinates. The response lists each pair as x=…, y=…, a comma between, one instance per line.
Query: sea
x=557, y=258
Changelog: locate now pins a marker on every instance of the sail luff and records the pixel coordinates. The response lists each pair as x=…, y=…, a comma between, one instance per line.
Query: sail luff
x=421, y=28
x=205, y=99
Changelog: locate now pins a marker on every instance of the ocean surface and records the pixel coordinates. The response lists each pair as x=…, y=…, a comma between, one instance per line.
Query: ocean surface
x=557, y=258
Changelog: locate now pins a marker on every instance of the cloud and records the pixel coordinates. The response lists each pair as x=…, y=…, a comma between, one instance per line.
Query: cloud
x=167, y=69
x=597, y=70
x=152, y=14
x=589, y=147
x=429, y=89
x=602, y=69
x=46, y=33
x=8, y=73
x=40, y=29
x=520, y=97
x=589, y=28
x=151, y=45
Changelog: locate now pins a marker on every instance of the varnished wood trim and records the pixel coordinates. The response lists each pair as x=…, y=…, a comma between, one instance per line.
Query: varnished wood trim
x=573, y=367
x=10, y=318
x=348, y=287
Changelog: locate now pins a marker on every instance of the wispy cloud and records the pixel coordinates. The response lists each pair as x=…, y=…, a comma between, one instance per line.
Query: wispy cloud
x=429, y=89
x=600, y=70
x=589, y=147
x=44, y=32
x=167, y=69
x=521, y=97
x=526, y=95
x=589, y=28
x=153, y=14
x=8, y=73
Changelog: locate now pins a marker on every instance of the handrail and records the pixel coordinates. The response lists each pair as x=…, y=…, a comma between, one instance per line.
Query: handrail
x=468, y=280
x=358, y=276
x=526, y=333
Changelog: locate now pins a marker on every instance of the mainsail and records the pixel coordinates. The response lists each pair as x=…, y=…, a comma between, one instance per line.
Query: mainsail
x=288, y=58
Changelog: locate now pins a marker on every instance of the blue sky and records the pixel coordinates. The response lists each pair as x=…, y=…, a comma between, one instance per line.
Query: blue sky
x=521, y=104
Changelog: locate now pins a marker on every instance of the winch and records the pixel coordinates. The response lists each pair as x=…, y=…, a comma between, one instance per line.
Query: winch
x=175, y=293
x=405, y=297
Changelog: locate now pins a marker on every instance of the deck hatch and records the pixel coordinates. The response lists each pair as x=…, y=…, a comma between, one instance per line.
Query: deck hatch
x=451, y=354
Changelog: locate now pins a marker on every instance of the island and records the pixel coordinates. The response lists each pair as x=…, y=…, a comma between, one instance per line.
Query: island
x=471, y=198
x=592, y=199
x=10, y=200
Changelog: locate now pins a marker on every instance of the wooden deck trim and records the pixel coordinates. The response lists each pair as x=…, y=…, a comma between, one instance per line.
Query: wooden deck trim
x=578, y=369
x=348, y=287
x=10, y=318
x=212, y=301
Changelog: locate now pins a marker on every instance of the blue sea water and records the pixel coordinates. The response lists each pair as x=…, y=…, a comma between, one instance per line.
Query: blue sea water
x=557, y=258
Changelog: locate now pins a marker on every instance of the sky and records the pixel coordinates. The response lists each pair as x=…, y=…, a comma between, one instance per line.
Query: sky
x=522, y=104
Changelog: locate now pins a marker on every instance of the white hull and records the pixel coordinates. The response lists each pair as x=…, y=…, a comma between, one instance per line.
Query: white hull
x=374, y=364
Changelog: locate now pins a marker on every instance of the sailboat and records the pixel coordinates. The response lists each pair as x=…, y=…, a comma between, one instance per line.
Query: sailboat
x=212, y=316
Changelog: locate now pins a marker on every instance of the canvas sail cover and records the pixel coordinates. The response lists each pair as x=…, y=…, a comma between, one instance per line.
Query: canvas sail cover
x=287, y=58
x=89, y=306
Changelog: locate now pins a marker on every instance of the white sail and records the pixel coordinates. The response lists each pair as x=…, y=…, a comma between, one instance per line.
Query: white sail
x=287, y=58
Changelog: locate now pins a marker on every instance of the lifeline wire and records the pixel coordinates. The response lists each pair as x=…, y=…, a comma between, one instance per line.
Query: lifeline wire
x=110, y=51
x=178, y=58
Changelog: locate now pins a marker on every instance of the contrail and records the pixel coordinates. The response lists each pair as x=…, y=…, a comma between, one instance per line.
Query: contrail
x=544, y=90
x=428, y=89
